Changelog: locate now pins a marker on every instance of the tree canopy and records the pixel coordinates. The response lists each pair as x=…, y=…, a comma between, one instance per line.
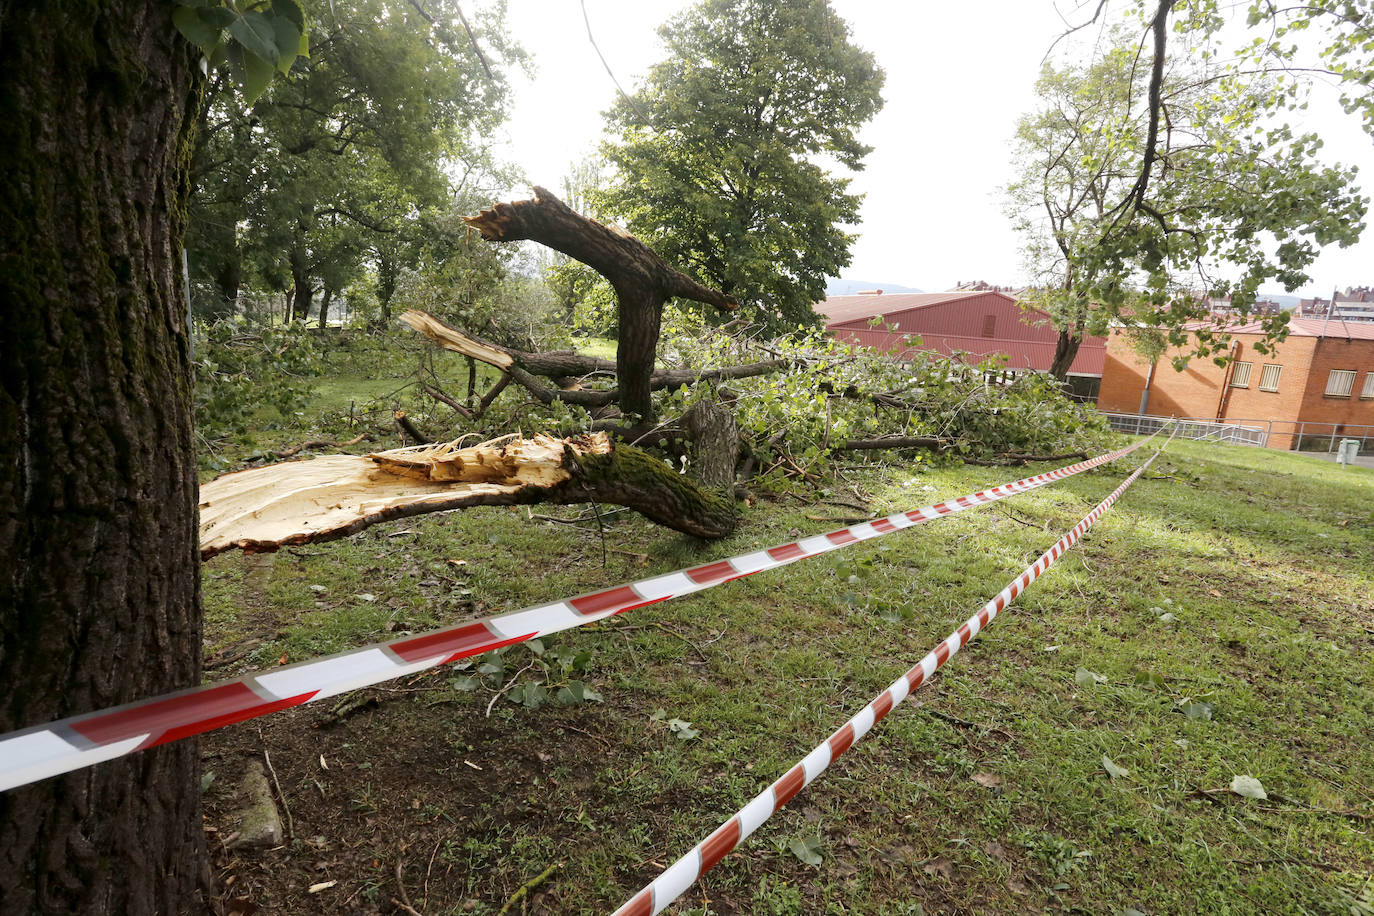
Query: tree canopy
x=1123, y=216
x=721, y=154
x=352, y=161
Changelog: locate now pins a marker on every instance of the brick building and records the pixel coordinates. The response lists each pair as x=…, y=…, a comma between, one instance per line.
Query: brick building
x=1320, y=381
x=980, y=322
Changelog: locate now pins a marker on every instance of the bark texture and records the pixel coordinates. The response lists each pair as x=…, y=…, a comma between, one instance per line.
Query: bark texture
x=99, y=587
x=641, y=279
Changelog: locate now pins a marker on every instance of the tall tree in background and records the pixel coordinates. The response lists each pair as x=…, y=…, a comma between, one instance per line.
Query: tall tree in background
x=1120, y=216
x=343, y=161
x=718, y=153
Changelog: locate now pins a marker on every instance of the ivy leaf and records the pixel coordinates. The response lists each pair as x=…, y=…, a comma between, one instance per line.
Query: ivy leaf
x=808, y=850
x=1114, y=771
x=1248, y=787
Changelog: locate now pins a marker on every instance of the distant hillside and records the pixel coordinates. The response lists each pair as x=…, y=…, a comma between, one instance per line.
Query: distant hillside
x=850, y=287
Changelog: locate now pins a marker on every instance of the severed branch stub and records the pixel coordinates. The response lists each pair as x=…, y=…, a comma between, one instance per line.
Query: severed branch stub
x=642, y=280
x=321, y=499
x=565, y=367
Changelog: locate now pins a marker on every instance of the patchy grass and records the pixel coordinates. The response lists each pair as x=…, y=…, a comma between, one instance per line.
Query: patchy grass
x=1232, y=583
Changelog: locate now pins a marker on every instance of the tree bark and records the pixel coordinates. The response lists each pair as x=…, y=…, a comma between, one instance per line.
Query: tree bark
x=99, y=579
x=641, y=279
x=325, y=298
x=301, y=290
x=1065, y=349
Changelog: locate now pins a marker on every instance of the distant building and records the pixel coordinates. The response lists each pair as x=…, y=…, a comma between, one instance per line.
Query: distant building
x=977, y=322
x=1318, y=382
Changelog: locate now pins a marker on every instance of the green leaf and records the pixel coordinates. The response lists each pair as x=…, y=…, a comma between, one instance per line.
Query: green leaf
x=196, y=30
x=1248, y=787
x=258, y=36
x=682, y=729
x=1199, y=711
x=206, y=779
x=257, y=76
x=1086, y=678
x=807, y=849
x=1114, y=771
x=658, y=715
x=536, y=646
x=464, y=683
x=1149, y=679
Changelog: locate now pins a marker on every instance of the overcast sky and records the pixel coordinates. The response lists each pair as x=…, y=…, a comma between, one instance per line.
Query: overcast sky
x=958, y=77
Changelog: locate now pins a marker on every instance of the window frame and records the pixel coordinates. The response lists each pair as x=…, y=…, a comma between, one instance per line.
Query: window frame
x=1278, y=375
x=1236, y=380
x=1367, y=392
x=1333, y=388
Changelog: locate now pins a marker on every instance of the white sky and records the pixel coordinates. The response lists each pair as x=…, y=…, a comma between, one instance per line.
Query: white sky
x=958, y=77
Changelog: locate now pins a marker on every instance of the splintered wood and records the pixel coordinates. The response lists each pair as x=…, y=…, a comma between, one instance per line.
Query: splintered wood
x=296, y=502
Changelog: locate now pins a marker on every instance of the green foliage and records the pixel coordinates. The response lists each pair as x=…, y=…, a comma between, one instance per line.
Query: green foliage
x=717, y=152
x=252, y=40
x=553, y=675
x=344, y=169
x=1230, y=202
x=242, y=370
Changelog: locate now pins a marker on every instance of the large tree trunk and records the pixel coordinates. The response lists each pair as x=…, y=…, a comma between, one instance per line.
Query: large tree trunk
x=99, y=587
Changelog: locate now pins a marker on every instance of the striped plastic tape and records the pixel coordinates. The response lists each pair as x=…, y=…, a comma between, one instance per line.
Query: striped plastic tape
x=41, y=751
x=683, y=873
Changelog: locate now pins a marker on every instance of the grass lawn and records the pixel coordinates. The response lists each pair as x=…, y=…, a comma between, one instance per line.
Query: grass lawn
x=1217, y=622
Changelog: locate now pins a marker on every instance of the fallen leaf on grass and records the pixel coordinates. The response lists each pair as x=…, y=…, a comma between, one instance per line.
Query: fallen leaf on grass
x=1193, y=710
x=1248, y=787
x=990, y=780
x=322, y=886
x=1086, y=678
x=808, y=850
x=1114, y=771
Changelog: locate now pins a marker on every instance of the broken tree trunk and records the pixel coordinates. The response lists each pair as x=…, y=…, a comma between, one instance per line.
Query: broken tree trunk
x=322, y=499
x=566, y=367
x=643, y=282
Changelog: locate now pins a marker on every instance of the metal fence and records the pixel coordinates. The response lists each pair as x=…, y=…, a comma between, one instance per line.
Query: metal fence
x=1284, y=434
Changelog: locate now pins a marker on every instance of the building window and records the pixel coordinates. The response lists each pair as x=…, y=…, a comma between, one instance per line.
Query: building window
x=1240, y=375
x=989, y=325
x=1368, y=390
x=1339, y=383
x=1269, y=377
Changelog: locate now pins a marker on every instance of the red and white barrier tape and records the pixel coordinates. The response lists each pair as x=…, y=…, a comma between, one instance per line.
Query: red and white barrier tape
x=683, y=873
x=41, y=751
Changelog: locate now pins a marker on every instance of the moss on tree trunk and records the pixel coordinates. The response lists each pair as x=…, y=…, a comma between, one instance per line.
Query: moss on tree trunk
x=99, y=587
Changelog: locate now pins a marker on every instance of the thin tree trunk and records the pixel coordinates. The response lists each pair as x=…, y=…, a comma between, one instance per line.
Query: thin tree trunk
x=1065, y=349
x=99, y=580
x=324, y=307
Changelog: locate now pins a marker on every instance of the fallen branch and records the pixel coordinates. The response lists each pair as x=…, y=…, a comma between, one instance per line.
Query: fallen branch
x=524, y=890
x=407, y=426
x=320, y=499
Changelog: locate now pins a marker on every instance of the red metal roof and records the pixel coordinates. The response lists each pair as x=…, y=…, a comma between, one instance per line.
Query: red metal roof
x=838, y=309
x=978, y=322
x=1311, y=327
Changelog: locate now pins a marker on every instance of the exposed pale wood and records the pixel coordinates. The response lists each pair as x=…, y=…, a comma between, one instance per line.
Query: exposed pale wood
x=320, y=499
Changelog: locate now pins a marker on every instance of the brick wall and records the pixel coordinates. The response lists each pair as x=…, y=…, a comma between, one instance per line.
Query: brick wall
x=1196, y=391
